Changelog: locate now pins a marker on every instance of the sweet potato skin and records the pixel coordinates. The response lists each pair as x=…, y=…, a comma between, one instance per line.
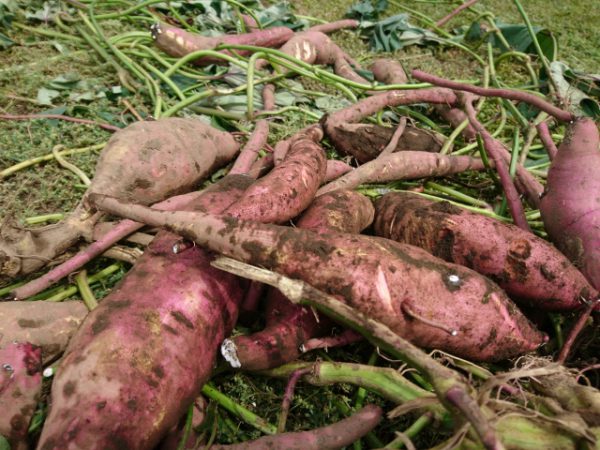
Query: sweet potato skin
x=20, y=386
x=178, y=42
x=150, y=161
x=527, y=267
x=569, y=206
x=47, y=325
x=288, y=325
x=289, y=187
x=124, y=380
x=430, y=302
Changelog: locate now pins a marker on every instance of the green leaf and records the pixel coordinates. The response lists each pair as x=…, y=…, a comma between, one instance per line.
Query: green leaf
x=519, y=39
x=367, y=10
x=578, y=101
x=45, y=96
x=5, y=41
x=64, y=82
x=395, y=32
x=45, y=14
x=58, y=110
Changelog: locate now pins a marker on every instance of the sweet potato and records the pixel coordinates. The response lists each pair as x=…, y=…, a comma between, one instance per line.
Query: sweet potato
x=289, y=187
x=46, y=325
x=331, y=437
x=145, y=162
x=20, y=386
x=366, y=141
x=433, y=303
x=527, y=267
x=288, y=325
x=177, y=42
x=388, y=71
x=140, y=358
x=403, y=166
x=570, y=204
x=315, y=47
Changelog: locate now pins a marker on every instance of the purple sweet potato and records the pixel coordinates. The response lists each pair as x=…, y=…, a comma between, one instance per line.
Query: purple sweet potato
x=331, y=437
x=315, y=47
x=289, y=187
x=140, y=358
x=47, y=325
x=366, y=141
x=527, y=267
x=145, y=162
x=430, y=302
x=288, y=325
x=570, y=206
x=20, y=386
x=177, y=42
x=403, y=166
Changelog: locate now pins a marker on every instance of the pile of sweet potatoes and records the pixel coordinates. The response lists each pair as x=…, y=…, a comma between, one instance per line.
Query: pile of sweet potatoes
x=428, y=272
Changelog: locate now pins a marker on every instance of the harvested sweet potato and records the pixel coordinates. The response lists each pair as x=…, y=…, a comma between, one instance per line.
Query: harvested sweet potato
x=145, y=162
x=140, y=358
x=527, y=267
x=47, y=325
x=178, y=42
x=570, y=204
x=433, y=303
x=366, y=141
x=331, y=437
x=288, y=326
x=20, y=386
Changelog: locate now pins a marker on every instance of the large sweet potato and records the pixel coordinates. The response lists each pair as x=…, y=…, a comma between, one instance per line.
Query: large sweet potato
x=570, y=205
x=433, y=303
x=524, y=265
x=140, y=358
x=288, y=325
x=145, y=162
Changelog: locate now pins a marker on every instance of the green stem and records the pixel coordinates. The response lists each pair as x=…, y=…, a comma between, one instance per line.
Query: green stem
x=416, y=427
x=44, y=218
x=250, y=84
x=459, y=196
x=128, y=11
x=86, y=293
x=48, y=33
x=242, y=413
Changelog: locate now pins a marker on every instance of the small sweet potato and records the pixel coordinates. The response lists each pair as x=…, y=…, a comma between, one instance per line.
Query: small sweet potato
x=178, y=42
x=20, y=386
x=527, y=267
x=433, y=303
x=47, y=325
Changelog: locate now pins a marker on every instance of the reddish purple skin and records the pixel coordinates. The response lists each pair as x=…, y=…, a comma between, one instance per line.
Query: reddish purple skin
x=331, y=437
x=177, y=42
x=20, y=386
x=378, y=277
x=570, y=206
x=141, y=357
x=289, y=325
x=289, y=187
x=527, y=267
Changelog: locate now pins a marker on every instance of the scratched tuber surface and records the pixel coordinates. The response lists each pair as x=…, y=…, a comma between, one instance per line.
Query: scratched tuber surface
x=433, y=303
x=525, y=266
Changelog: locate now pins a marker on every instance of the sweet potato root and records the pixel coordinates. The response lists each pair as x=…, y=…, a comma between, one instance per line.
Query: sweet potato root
x=46, y=325
x=433, y=303
x=177, y=42
x=290, y=187
x=145, y=162
x=570, y=205
x=20, y=386
x=403, y=166
x=527, y=267
x=331, y=437
x=288, y=325
x=366, y=141
x=161, y=326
